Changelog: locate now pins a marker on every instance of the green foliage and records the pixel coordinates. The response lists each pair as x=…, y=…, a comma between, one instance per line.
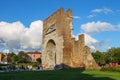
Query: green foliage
x=2, y=67
x=99, y=57
x=23, y=57
x=33, y=64
x=112, y=55
x=11, y=57
x=115, y=69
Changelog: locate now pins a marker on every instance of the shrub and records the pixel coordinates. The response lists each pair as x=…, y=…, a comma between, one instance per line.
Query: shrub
x=114, y=69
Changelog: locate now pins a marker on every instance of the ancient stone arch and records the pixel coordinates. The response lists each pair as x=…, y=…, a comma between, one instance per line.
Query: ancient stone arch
x=51, y=51
x=59, y=47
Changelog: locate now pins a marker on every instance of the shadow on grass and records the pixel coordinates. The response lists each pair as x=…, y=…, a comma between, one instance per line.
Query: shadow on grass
x=77, y=74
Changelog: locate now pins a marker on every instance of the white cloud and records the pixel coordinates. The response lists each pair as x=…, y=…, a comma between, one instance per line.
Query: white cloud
x=97, y=11
x=6, y=51
x=102, y=10
x=93, y=43
x=15, y=36
x=76, y=17
x=95, y=27
x=91, y=16
x=32, y=36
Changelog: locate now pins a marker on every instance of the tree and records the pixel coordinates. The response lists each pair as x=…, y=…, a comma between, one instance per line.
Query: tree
x=23, y=57
x=113, y=55
x=11, y=57
x=109, y=55
x=99, y=57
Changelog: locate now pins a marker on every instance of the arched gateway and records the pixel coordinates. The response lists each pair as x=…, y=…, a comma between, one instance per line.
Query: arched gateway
x=51, y=51
x=59, y=47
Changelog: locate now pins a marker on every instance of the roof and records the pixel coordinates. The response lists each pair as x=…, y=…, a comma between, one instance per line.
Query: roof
x=34, y=52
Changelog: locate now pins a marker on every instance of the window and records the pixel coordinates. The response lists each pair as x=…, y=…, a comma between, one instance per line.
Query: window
x=33, y=55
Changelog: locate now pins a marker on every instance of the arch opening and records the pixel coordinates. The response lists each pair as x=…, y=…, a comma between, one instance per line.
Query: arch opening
x=51, y=52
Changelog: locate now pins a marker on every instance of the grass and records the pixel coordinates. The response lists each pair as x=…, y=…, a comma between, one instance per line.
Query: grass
x=60, y=75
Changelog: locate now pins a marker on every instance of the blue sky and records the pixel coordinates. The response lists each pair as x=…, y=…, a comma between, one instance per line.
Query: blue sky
x=98, y=19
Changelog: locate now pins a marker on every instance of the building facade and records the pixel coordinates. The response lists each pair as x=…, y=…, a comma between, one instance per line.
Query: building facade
x=59, y=46
x=33, y=56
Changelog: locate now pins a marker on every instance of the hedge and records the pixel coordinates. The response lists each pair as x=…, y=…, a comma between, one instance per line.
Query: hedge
x=114, y=69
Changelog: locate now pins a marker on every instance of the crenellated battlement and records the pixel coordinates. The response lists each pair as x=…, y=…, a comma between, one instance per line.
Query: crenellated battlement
x=58, y=12
x=80, y=39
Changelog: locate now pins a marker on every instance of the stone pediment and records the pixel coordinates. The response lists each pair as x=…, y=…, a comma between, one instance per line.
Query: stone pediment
x=50, y=29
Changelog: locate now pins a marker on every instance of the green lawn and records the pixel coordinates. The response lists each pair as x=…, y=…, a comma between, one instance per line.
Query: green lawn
x=60, y=75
